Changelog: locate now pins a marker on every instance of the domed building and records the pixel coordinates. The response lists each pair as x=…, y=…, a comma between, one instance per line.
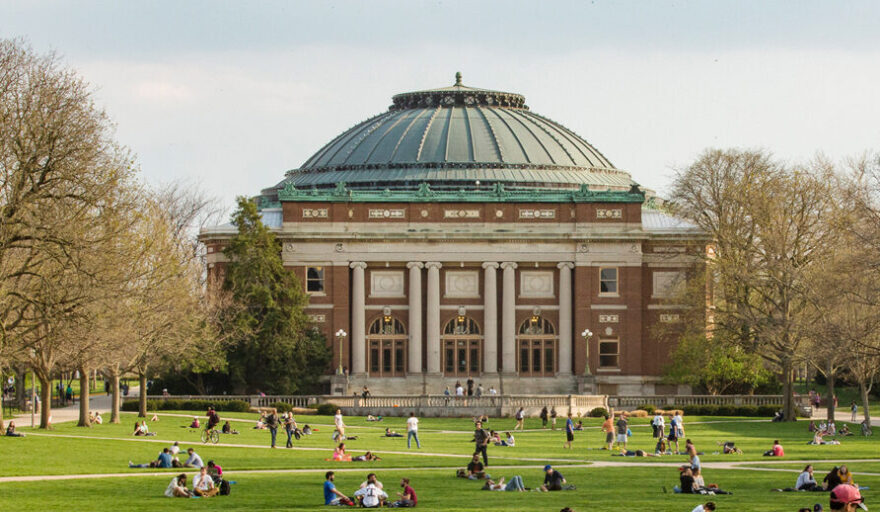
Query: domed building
x=459, y=235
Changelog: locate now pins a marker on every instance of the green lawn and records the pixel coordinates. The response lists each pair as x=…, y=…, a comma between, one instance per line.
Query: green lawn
x=445, y=445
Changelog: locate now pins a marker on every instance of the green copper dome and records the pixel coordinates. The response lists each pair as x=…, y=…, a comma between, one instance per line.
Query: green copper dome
x=454, y=137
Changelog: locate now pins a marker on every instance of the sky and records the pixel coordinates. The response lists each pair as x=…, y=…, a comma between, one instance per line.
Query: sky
x=227, y=96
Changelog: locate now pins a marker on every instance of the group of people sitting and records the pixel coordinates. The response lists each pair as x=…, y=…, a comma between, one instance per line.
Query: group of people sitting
x=208, y=482
x=168, y=458
x=476, y=470
x=806, y=481
x=340, y=455
x=370, y=494
x=691, y=475
x=95, y=417
x=141, y=429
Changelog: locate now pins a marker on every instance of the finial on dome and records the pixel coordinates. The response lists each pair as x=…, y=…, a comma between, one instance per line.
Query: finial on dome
x=458, y=78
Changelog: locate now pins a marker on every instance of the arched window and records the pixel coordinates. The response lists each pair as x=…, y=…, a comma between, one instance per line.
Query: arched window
x=537, y=343
x=386, y=347
x=462, y=347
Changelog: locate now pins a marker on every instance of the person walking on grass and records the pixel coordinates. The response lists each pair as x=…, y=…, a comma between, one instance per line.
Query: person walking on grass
x=481, y=441
x=519, y=416
x=569, y=432
x=855, y=410
x=608, y=428
x=272, y=425
x=544, y=416
x=412, y=430
x=340, y=425
x=553, y=418
x=622, y=427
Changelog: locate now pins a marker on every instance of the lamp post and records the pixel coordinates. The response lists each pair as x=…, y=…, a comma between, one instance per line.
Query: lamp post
x=587, y=334
x=340, y=335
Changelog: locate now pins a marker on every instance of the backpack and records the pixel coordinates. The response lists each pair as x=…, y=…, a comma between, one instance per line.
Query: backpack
x=224, y=487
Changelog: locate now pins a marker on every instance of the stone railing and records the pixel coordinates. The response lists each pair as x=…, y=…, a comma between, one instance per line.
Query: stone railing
x=423, y=405
x=668, y=401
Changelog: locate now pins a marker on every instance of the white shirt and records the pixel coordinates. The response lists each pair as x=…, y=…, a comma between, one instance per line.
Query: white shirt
x=174, y=449
x=338, y=420
x=412, y=424
x=492, y=391
x=169, y=491
x=367, y=482
x=203, y=484
x=679, y=421
x=459, y=391
x=699, y=509
x=371, y=495
x=659, y=421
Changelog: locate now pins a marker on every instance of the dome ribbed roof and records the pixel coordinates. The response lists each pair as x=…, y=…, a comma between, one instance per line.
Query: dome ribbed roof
x=453, y=135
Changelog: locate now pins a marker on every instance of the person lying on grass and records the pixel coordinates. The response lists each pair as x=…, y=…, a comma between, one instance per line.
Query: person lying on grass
x=637, y=453
x=391, y=433
x=700, y=486
x=817, y=439
x=177, y=487
x=164, y=460
x=515, y=484
x=729, y=448
x=367, y=457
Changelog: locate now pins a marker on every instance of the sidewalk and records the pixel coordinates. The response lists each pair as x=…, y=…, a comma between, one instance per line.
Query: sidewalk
x=100, y=403
x=843, y=415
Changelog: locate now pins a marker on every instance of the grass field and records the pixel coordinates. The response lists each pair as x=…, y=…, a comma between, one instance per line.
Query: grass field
x=291, y=479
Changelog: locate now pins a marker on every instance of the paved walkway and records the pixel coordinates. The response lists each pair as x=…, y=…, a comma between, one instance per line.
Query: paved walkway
x=100, y=403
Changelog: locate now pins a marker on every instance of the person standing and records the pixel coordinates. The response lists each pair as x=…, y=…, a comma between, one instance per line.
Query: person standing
x=412, y=430
x=481, y=441
x=470, y=386
x=608, y=428
x=622, y=427
x=544, y=416
x=520, y=417
x=479, y=390
x=289, y=428
x=340, y=425
x=855, y=410
x=459, y=391
x=569, y=432
x=553, y=418
x=659, y=424
x=272, y=425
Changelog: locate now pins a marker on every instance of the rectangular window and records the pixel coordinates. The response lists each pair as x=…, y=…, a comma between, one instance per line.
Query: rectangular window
x=608, y=280
x=524, y=357
x=398, y=357
x=315, y=279
x=549, y=359
x=609, y=354
x=386, y=358
x=374, y=357
x=450, y=358
x=475, y=359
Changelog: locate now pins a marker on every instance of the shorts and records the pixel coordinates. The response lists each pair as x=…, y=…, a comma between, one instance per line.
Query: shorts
x=621, y=438
x=569, y=436
x=609, y=437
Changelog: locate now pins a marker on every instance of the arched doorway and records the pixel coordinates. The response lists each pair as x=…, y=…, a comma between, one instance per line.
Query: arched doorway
x=536, y=342
x=386, y=347
x=462, y=345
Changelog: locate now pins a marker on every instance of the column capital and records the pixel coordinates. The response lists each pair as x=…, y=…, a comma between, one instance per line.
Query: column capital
x=358, y=264
x=415, y=264
x=508, y=264
x=433, y=264
x=565, y=264
x=490, y=264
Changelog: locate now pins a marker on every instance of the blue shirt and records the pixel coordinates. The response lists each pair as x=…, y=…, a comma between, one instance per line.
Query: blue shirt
x=329, y=495
x=569, y=425
x=164, y=460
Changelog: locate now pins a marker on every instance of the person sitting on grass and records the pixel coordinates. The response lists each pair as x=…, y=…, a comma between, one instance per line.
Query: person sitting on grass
x=203, y=484
x=194, y=460
x=332, y=495
x=844, y=430
x=370, y=417
x=408, y=497
x=367, y=457
x=177, y=487
x=95, y=417
x=776, y=451
x=261, y=422
x=806, y=481
x=215, y=471
x=553, y=481
x=475, y=468
x=227, y=428
x=700, y=486
x=340, y=455
x=579, y=425
x=10, y=430
x=371, y=479
x=371, y=496
x=729, y=448
x=162, y=461
x=709, y=506
x=195, y=423
x=507, y=441
x=846, y=477
x=661, y=448
x=515, y=484
x=685, y=480
x=818, y=439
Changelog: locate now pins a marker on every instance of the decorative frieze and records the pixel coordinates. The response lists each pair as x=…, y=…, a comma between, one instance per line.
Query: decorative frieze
x=379, y=213
x=314, y=213
x=536, y=283
x=318, y=319
x=670, y=318
x=667, y=284
x=461, y=214
x=609, y=319
x=537, y=214
x=463, y=284
x=604, y=213
x=386, y=283
x=669, y=249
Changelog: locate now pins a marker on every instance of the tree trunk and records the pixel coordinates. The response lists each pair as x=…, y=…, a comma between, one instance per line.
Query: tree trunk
x=2, y=383
x=142, y=395
x=787, y=399
x=84, y=381
x=45, y=402
x=20, y=390
x=863, y=389
x=830, y=406
x=115, y=394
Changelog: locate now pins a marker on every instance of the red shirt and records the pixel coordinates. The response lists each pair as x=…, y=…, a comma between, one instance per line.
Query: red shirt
x=412, y=494
x=778, y=451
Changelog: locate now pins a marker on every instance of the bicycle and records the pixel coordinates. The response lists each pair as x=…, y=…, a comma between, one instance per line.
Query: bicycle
x=210, y=435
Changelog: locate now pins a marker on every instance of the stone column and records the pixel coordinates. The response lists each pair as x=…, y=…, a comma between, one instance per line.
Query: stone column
x=415, y=317
x=358, y=319
x=490, y=318
x=508, y=319
x=565, y=317
x=432, y=323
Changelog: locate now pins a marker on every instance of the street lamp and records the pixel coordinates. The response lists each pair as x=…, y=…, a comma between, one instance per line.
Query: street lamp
x=587, y=334
x=340, y=335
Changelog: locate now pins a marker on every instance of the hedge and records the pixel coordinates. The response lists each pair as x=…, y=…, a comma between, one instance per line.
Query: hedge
x=172, y=404
x=598, y=412
x=731, y=410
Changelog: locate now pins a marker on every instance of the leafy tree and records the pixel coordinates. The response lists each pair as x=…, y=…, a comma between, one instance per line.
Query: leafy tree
x=272, y=340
